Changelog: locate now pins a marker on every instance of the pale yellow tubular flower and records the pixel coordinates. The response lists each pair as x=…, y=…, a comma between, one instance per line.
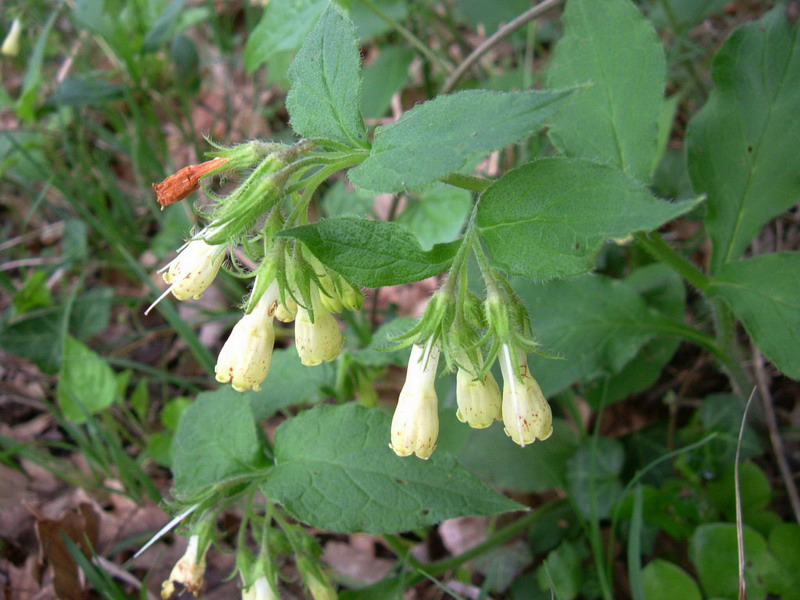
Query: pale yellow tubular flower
x=479, y=401
x=188, y=571
x=245, y=358
x=415, y=424
x=10, y=45
x=194, y=269
x=526, y=414
x=320, y=341
x=287, y=309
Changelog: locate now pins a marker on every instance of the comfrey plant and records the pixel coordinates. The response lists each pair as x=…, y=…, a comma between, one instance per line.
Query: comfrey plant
x=331, y=467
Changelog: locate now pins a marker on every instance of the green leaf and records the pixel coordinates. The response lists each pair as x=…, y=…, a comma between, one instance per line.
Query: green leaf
x=663, y=290
x=370, y=25
x=372, y=253
x=713, y=550
x=283, y=26
x=744, y=145
x=33, y=294
x=436, y=138
x=784, y=540
x=563, y=571
x=26, y=105
x=37, y=337
x=383, y=79
x=550, y=217
x=324, y=99
x=764, y=293
x=290, y=384
x=380, y=351
x=334, y=470
x=341, y=200
x=216, y=441
x=91, y=313
x=438, y=215
x=755, y=493
x=593, y=476
x=493, y=457
x=595, y=324
x=86, y=384
x=615, y=118
x=664, y=580
x=164, y=27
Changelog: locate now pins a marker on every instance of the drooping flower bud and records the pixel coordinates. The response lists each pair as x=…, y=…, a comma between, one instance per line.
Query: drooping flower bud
x=526, y=413
x=352, y=297
x=245, y=358
x=260, y=590
x=11, y=43
x=316, y=581
x=479, y=401
x=287, y=309
x=320, y=341
x=193, y=270
x=188, y=571
x=415, y=424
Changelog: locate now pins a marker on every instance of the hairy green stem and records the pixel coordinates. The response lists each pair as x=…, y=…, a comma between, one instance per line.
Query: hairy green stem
x=655, y=245
x=468, y=182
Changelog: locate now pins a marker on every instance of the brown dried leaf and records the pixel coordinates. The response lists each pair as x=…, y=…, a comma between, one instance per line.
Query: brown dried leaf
x=82, y=526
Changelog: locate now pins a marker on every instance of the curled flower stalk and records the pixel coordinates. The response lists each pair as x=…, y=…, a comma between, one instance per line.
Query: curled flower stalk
x=245, y=358
x=526, y=414
x=415, y=424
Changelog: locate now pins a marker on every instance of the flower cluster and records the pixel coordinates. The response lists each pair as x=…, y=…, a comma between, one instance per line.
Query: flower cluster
x=457, y=325
x=290, y=283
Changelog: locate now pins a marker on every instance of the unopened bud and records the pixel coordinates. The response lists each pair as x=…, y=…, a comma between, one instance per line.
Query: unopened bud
x=526, y=414
x=415, y=424
x=497, y=316
x=245, y=358
x=316, y=581
x=260, y=590
x=352, y=298
x=188, y=571
x=11, y=43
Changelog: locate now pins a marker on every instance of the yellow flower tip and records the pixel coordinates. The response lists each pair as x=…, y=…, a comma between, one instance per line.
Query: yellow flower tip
x=415, y=424
x=194, y=269
x=479, y=402
x=320, y=341
x=189, y=571
x=245, y=359
x=10, y=45
x=526, y=414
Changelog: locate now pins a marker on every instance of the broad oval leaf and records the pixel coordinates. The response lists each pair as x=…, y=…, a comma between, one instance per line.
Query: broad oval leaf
x=764, y=293
x=595, y=324
x=744, y=145
x=435, y=139
x=86, y=384
x=325, y=75
x=613, y=119
x=373, y=253
x=664, y=580
x=216, y=441
x=550, y=217
x=336, y=471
